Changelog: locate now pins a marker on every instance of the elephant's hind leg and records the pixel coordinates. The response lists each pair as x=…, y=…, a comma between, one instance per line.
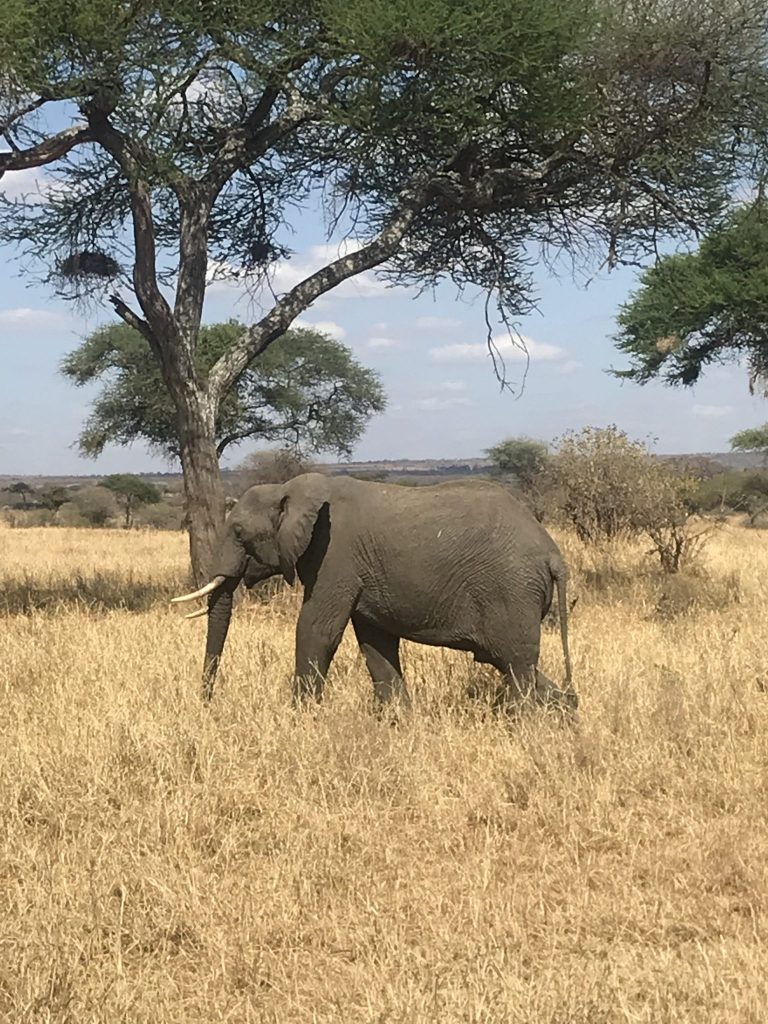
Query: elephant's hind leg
x=381, y=651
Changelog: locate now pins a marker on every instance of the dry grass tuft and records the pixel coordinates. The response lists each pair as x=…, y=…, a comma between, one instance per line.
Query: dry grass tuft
x=166, y=862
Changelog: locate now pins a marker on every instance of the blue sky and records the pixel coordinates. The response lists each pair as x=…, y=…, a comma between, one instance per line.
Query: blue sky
x=444, y=400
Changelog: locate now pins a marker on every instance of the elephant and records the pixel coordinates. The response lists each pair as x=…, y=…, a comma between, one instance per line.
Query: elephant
x=461, y=564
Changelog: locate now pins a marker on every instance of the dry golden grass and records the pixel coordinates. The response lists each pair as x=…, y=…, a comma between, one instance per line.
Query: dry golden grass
x=166, y=862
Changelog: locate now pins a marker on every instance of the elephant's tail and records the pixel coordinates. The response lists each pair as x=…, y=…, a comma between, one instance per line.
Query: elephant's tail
x=560, y=576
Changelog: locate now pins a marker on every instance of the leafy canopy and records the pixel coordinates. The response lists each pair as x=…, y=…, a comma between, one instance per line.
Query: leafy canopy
x=468, y=129
x=306, y=390
x=521, y=457
x=753, y=439
x=704, y=307
x=132, y=489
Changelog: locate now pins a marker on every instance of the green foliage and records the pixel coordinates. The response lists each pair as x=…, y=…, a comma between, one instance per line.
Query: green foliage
x=54, y=497
x=521, y=457
x=521, y=463
x=22, y=489
x=753, y=439
x=563, y=121
x=704, y=307
x=131, y=491
x=306, y=390
x=743, y=490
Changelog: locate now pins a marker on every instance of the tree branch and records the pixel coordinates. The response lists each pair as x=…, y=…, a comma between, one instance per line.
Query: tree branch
x=257, y=338
x=252, y=139
x=44, y=152
x=133, y=319
x=28, y=108
x=123, y=151
x=194, y=211
x=241, y=435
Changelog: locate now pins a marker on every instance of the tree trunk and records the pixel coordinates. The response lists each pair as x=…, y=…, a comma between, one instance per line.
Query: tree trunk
x=203, y=485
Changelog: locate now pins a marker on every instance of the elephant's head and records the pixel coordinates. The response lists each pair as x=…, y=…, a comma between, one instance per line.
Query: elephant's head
x=264, y=535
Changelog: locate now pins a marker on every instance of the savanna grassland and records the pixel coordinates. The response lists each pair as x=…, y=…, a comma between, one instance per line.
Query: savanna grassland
x=162, y=861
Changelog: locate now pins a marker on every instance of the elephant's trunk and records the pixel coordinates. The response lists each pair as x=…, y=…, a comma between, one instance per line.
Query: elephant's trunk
x=219, y=614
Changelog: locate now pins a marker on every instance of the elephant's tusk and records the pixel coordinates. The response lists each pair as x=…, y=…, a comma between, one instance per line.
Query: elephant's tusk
x=197, y=614
x=202, y=592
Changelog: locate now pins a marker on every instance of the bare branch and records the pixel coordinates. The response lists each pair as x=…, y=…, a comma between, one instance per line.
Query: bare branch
x=123, y=151
x=22, y=112
x=45, y=152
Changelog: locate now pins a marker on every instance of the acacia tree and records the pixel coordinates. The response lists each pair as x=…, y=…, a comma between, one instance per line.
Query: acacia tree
x=306, y=391
x=707, y=306
x=753, y=439
x=447, y=136
x=131, y=492
x=521, y=457
x=21, y=488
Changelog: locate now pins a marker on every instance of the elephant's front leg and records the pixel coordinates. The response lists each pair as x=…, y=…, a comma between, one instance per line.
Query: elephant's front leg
x=317, y=640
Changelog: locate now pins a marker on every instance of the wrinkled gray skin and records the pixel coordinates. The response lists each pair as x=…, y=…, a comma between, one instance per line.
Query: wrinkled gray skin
x=461, y=565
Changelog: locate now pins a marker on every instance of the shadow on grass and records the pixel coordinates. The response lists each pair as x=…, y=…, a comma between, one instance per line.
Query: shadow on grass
x=97, y=594
x=103, y=592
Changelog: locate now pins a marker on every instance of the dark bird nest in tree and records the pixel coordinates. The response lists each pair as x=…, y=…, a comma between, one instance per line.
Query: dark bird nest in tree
x=89, y=264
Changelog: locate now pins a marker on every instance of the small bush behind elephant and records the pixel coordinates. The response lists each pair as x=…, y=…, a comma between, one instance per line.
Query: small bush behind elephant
x=461, y=564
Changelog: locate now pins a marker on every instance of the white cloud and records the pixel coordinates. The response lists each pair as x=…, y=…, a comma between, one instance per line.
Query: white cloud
x=452, y=385
x=712, y=411
x=286, y=274
x=569, y=366
x=30, y=183
x=326, y=326
x=509, y=350
x=25, y=318
x=436, y=403
x=382, y=342
x=436, y=323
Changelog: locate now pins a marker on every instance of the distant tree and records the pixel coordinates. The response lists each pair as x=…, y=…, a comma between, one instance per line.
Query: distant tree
x=307, y=390
x=275, y=467
x=521, y=457
x=93, y=506
x=131, y=492
x=753, y=439
x=693, y=467
x=708, y=306
x=738, y=490
x=22, y=489
x=54, y=497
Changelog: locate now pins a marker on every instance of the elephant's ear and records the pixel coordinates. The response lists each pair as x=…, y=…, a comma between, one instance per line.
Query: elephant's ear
x=304, y=497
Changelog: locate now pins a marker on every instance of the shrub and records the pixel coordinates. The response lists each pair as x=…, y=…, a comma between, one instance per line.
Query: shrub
x=743, y=490
x=609, y=487
x=95, y=505
x=162, y=516
x=69, y=514
x=272, y=467
x=131, y=492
